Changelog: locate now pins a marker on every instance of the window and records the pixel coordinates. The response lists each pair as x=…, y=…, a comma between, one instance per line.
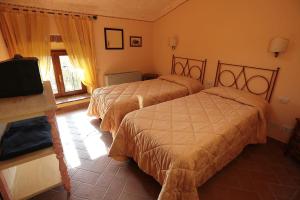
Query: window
x=64, y=77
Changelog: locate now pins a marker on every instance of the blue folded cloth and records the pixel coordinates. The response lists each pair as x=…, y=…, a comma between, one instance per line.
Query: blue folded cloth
x=25, y=136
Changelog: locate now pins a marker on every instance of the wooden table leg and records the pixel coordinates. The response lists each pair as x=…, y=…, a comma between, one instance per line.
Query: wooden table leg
x=59, y=151
x=4, y=188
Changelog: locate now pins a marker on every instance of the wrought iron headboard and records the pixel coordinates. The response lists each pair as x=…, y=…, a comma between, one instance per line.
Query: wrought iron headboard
x=187, y=68
x=240, y=75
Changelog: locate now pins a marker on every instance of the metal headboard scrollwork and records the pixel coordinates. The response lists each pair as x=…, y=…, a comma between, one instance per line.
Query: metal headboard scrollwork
x=241, y=79
x=187, y=66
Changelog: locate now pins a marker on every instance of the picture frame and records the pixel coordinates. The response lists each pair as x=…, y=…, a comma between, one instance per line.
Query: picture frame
x=136, y=41
x=114, y=38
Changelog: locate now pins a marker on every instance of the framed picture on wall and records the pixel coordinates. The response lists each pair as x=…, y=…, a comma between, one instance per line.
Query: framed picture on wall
x=136, y=41
x=113, y=38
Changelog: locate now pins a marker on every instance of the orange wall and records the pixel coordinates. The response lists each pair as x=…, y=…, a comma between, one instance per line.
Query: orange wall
x=129, y=59
x=239, y=32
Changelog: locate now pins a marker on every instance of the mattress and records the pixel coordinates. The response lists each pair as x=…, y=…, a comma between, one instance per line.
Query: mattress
x=184, y=142
x=112, y=103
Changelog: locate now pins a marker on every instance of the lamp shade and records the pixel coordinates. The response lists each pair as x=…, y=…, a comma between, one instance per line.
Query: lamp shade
x=173, y=42
x=278, y=45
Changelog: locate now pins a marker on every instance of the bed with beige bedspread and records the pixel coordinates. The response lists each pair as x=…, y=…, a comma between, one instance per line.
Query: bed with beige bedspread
x=112, y=103
x=184, y=142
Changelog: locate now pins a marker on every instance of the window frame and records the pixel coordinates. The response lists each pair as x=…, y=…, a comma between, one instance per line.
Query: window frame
x=59, y=76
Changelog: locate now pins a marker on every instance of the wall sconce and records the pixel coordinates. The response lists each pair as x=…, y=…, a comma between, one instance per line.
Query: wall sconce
x=278, y=45
x=173, y=42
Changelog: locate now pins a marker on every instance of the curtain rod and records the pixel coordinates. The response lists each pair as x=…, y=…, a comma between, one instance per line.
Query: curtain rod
x=47, y=10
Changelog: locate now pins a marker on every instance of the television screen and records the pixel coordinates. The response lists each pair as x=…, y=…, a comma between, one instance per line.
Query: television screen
x=20, y=77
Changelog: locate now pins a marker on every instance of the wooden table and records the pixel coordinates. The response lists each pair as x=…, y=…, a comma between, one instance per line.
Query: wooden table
x=33, y=173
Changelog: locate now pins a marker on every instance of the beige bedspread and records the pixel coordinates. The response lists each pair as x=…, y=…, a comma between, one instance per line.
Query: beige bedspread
x=183, y=142
x=112, y=103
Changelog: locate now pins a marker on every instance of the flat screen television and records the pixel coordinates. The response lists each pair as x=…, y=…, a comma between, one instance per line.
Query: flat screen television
x=20, y=76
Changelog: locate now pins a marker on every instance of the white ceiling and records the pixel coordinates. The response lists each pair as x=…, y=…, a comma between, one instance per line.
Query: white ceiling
x=148, y=10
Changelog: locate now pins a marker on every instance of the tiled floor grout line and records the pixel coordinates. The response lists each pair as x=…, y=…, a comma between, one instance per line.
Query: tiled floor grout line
x=122, y=190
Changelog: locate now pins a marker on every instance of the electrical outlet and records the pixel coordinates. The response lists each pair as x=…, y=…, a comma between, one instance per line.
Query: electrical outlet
x=209, y=84
x=286, y=129
x=284, y=99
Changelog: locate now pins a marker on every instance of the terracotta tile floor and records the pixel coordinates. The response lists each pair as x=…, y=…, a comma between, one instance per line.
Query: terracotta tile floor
x=261, y=172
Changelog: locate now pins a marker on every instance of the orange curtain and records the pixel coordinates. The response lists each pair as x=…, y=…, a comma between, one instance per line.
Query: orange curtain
x=27, y=33
x=78, y=38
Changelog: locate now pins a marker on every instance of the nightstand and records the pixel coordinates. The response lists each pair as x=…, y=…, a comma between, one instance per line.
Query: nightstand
x=149, y=76
x=293, y=147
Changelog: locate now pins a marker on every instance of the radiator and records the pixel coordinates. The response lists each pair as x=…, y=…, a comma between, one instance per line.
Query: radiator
x=125, y=77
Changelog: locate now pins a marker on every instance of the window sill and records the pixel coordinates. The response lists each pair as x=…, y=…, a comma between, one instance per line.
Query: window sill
x=74, y=98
